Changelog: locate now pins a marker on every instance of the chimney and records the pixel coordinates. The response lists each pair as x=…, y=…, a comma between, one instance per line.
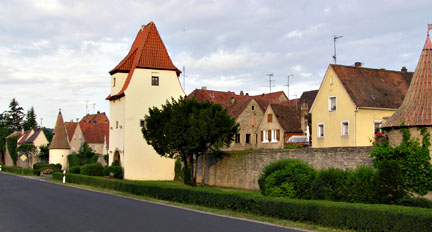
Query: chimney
x=357, y=64
x=404, y=69
x=204, y=88
x=247, y=94
x=98, y=112
x=241, y=93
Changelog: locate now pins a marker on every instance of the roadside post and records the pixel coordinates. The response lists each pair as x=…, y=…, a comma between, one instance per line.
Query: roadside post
x=64, y=176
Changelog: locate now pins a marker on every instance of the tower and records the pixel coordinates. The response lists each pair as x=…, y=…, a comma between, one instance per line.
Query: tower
x=59, y=148
x=146, y=77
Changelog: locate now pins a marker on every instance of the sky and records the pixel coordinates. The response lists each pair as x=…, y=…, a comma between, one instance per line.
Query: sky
x=56, y=54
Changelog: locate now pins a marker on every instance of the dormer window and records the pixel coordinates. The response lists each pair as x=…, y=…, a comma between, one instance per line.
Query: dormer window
x=155, y=80
x=212, y=95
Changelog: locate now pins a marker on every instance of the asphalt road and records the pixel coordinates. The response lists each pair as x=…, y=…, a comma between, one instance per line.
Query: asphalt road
x=33, y=205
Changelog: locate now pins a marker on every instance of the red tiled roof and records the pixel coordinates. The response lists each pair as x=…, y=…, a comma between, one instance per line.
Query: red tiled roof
x=235, y=109
x=59, y=140
x=308, y=97
x=95, y=118
x=95, y=133
x=416, y=109
x=288, y=118
x=376, y=88
x=273, y=98
x=24, y=137
x=70, y=129
x=147, y=51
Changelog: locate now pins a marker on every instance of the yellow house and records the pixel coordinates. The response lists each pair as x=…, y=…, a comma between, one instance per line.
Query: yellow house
x=146, y=77
x=353, y=102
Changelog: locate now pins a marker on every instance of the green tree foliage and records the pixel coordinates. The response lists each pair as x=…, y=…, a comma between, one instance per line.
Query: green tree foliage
x=48, y=133
x=187, y=129
x=413, y=158
x=44, y=153
x=30, y=120
x=15, y=115
x=85, y=153
x=11, y=143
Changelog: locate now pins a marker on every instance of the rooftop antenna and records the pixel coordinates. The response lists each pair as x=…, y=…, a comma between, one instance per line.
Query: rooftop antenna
x=270, y=80
x=288, y=78
x=334, y=46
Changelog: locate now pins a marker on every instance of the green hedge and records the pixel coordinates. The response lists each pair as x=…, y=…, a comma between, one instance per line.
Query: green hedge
x=336, y=214
x=18, y=170
x=92, y=169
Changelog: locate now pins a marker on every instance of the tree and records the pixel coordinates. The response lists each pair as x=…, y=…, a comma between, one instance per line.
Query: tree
x=28, y=150
x=44, y=153
x=187, y=129
x=30, y=121
x=85, y=153
x=48, y=133
x=15, y=115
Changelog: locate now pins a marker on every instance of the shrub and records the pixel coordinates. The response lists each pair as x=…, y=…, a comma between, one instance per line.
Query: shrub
x=11, y=143
x=92, y=169
x=115, y=163
x=330, y=184
x=74, y=160
x=390, y=183
x=415, y=202
x=39, y=168
x=178, y=174
x=361, y=184
x=117, y=171
x=293, y=146
x=360, y=217
x=106, y=158
x=293, y=181
x=95, y=158
x=75, y=169
x=18, y=170
x=269, y=169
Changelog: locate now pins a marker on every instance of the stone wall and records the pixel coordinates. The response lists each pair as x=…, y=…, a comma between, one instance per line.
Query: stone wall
x=242, y=169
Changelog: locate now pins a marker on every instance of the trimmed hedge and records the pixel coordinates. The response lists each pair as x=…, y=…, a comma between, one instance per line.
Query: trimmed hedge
x=18, y=170
x=92, y=169
x=38, y=168
x=337, y=214
x=116, y=170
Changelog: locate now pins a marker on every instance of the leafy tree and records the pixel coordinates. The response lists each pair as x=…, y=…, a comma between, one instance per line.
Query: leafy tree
x=28, y=150
x=44, y=152
x=187, y=129
x=48, y=133
x=85, y=153
x=15, y=115
x=30, y=121
x=413, y=158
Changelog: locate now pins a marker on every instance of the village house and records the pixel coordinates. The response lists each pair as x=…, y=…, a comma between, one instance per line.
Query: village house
x=34, y=136
x=278, y=124
x=145, y=78
x=353, y=102
x=303, y=105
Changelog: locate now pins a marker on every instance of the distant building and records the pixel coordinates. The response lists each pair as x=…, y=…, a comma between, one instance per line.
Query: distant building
x=303, y=105
x=353, y=102
x=146, y=77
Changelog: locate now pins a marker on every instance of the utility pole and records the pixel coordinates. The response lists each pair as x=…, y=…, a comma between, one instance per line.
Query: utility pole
x=334, y=46
x=288, y=78
x=270, y=80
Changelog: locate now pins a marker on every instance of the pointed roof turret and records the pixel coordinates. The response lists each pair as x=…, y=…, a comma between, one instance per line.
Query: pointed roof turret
x=416, y=109
x=60, y=140
x=147, y=51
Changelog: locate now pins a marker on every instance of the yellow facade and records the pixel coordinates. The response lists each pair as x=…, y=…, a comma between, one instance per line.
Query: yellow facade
x=59, y=156
x=347, y=125
x=139, y=160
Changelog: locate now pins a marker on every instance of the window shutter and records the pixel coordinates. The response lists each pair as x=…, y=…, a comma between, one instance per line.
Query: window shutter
x=278, y=134
x=269, y=135
x=269, y=117
x=262, y=134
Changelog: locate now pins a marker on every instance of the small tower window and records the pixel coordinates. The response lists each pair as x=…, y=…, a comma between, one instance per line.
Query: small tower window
x=253, y=107
x=114, y=81
x=269, y=118
x=141, y=123
x=155, y=80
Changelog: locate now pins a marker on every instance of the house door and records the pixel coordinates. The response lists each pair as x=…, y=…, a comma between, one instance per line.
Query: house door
x=116, y=159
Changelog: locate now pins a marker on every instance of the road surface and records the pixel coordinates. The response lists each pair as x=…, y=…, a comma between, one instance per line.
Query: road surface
x=33, y=205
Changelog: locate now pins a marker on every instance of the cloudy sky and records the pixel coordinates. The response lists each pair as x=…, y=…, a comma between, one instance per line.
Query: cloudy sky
x=57, y=54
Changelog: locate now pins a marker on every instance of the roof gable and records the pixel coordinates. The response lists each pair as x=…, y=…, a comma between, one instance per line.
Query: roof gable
x=70, y=129
x=288, y=118
x=308, y=97
x=95, y=133
x=59, y=140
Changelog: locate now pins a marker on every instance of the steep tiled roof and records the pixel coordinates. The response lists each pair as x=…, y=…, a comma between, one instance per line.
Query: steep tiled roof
x=15, y=134
x=24, y=136
x=95, y=133
x=273, y=98
x=235, y=109
x=219, y=97
x=308, y=97
x=288, y=118
x=147, y=51
x=376, y=88
x=95, y=118
x=70, y=129
x=416, y=109
x=33, y=137
x=59, y=140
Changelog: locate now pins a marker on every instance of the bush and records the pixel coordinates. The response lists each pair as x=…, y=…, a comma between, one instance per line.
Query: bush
x=361, y=184
x=18, y=170
x=178, y=174
x=116, y=170
x=269, y=169
x=74, y=160
x=334, y=214
x=11, y=143
x=75, y=170
x=390, y=183
x=106, y=158
x=293, y=146
x=331, y=185
x=92, y=169
x=115, y=163
x=293, y=181
x=415, y=202
x=95, y=158
x=38, y=168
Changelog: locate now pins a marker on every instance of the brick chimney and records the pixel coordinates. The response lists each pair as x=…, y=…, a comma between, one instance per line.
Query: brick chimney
x=204, y=88
x=357, y=64
x=241, y=93
x=404, y=69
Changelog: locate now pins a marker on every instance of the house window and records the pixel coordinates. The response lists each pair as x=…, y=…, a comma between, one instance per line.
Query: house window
x=270, y=118
x=114, y=81
x=344, y=128
x=237, y=139
x=377, y=127
x=155, y=80
x=253, y=107
x=273, y=136
x=320, y=130
x=141, y=123
x=332, y=104
x=248, y=138
x=265, y=136
x=331, y=80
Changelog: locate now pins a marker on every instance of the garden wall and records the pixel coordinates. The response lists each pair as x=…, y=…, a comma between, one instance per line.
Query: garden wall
x=242, y=169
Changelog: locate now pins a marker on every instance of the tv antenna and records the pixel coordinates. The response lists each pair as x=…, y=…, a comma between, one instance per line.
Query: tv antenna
x=94, y=104
x=334, y=46
x=288, y=79
x=271, y=82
